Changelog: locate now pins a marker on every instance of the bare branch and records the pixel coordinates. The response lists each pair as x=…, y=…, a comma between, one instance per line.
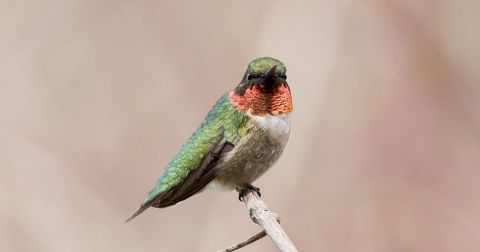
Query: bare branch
x=268, y=220
x=245, y=243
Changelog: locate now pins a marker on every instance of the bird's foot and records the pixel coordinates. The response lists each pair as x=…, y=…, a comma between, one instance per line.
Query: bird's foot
x=245, y=189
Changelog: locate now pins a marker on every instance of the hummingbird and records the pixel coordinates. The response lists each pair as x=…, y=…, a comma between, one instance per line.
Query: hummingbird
x=242, y=136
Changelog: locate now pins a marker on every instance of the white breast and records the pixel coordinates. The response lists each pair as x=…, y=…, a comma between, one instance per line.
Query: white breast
x=254, y=154
x=278, y=126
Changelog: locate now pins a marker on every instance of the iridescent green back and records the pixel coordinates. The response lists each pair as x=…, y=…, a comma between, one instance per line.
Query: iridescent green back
x=223, y=121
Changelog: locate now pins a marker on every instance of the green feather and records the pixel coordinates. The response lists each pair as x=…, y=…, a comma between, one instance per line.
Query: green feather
x=223, y=117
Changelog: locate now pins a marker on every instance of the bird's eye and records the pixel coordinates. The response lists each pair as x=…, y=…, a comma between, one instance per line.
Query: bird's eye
x=249, y=77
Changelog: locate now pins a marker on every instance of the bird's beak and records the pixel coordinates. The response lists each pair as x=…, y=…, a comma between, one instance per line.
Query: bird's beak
x=271, y=72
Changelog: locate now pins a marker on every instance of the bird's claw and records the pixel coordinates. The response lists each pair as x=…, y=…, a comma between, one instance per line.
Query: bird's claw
x=242, y=191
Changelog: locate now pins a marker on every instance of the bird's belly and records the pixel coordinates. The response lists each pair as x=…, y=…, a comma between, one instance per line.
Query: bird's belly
x=253, y=156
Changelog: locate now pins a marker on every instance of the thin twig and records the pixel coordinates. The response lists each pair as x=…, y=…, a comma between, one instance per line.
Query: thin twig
x=268, y=220
x=245, y=243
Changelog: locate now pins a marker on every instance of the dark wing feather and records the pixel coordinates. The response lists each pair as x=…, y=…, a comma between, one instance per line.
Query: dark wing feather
x=195, y=181
x=198, y=178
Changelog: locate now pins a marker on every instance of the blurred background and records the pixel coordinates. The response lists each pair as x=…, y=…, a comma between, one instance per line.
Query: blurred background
x=97, y=96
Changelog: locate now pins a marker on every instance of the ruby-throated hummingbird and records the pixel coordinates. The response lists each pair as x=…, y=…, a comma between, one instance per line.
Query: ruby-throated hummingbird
x=242, y=136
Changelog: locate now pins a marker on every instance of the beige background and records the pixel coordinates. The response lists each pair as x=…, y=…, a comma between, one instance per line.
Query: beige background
x=97, y=96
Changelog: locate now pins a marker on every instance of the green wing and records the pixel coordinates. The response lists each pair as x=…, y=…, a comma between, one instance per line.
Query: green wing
x=194, y=165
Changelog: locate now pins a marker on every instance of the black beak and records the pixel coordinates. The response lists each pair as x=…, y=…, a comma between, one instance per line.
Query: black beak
x=271, y=72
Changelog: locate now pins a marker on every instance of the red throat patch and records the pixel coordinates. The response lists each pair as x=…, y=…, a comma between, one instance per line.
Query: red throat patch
x=259, y=102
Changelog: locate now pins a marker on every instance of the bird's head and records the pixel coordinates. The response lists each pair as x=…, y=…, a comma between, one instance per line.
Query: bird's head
x=264, y=89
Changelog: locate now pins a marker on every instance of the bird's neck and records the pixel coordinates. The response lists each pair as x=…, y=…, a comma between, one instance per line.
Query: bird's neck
x=261, y=102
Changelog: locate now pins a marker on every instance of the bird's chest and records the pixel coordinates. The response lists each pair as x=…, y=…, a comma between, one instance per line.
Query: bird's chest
x=257, y=150
x=267, y=134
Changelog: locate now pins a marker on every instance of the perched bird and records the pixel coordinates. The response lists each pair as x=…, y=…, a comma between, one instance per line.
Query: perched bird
x=242, y=136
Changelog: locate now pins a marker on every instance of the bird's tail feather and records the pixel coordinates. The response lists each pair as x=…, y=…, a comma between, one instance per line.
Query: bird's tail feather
x=138, y=212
